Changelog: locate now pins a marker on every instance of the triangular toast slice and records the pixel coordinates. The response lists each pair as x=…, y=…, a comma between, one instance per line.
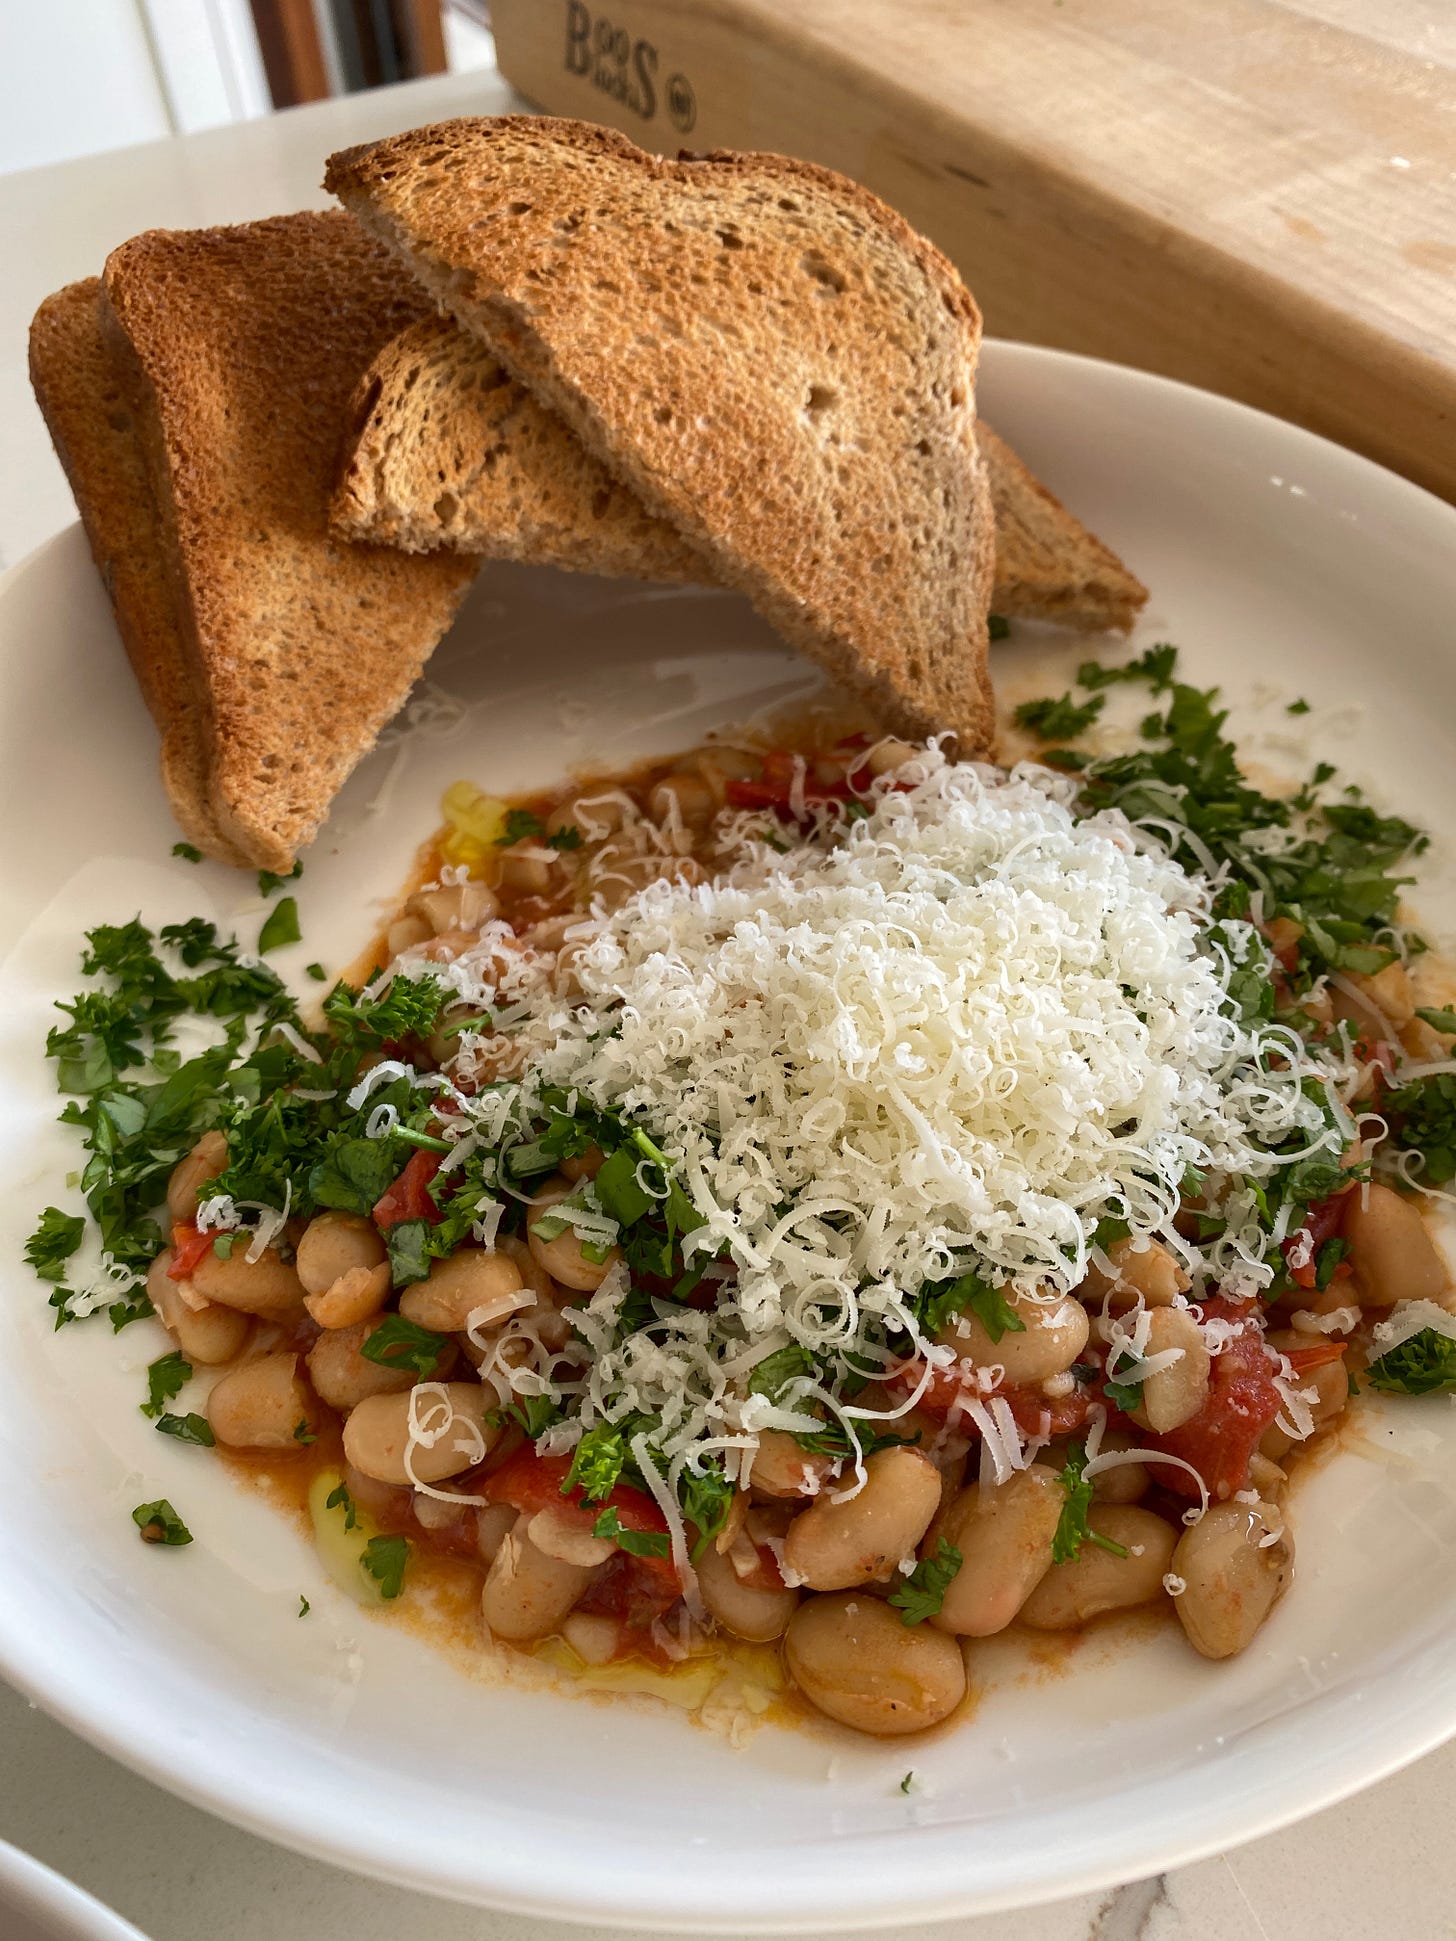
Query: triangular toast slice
x=239, y=350
x=451, y=451
x=764, y=353
x=93, y=429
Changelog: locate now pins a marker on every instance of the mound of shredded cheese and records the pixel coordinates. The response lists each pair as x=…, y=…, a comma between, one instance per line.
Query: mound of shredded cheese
x=967, y=1030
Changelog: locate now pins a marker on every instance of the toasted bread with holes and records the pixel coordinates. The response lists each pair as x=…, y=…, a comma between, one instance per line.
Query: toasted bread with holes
x=771, y=360
x=239, y=350
x=451, y=452
x=94, y=431
x=1048, y=566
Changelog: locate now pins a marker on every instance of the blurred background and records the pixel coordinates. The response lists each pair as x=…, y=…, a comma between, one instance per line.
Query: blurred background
x=80, y=76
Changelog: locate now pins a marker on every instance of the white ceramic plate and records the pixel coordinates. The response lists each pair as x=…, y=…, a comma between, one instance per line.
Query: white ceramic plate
x=37, y=1905
x=1283, y=566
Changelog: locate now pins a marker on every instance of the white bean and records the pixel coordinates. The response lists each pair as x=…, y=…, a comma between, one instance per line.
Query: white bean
x=1391, y=1249
x=527, y=1594
x=1004, y=1535
x=205, y=1161
x=1052, y=1335
x=377, y=1437
x=266, y=1286
x=261, y=1403
x=1232, y=1577
x=834, y=1545
x=750, y=1611
x=856, y=1662
x=469, y=1283
x=562, y=1258
x=208, y=1335
x=1097, y=1580
x=1174, y=1395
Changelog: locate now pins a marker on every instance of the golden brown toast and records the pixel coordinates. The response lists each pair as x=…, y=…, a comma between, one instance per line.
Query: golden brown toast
x=239, y=350
x=93, y=429
x=767, y=356
x=451, y=451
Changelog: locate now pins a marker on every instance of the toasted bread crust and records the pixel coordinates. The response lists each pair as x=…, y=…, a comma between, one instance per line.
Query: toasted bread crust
x=450, y=451
x=686, y=320
x=245, y=345
x=94, y=430
x=1048, y=565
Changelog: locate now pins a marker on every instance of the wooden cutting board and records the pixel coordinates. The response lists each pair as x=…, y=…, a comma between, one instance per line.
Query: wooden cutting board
x=1258, y=196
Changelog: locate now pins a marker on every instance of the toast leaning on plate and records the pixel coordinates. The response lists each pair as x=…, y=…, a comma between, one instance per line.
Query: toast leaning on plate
x=767, y=356
x=237, y=351
x=94, y=430
x=451, y=452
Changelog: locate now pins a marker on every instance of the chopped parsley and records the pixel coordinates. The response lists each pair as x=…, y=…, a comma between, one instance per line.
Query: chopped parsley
x=269, y=880
x=905, y=1782
x=568, y=838
x=166, y=1378
x=316, y=972
x=637, y=1543
x=55, y=1239
x=340, y=1499
x=398, y=1343
x=303, y=1433
x=304, y=1607
x=188, y=851
x=1073, y=1528
x=923, y=1591
x=159, y=1523
x=195, y=1429
x=1421, y=1365
x=1423, y=1117
x=281, y=926
x=519, y=826
x=1442, y=1021
x=385, y=1559
x=997, y=626
x=1060, y=720
x=1297, y=707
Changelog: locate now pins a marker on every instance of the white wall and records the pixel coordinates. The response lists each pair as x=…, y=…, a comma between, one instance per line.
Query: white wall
x=81, y=76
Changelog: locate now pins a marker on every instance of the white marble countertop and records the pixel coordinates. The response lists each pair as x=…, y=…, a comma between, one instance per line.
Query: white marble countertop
x=1381, y=1866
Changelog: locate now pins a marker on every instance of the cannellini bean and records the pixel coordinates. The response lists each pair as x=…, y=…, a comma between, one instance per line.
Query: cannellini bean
x=594, y=1637
x=470, y=1283
x=205, y=1161
x=344, y=1376
x=260, y=1404
x=557, y=1533
x=377, y=1438
x=356, y=1296
x=745, y=1610
x=1128, y=1481
x=266, y=1286
x=781, y=1467
x=524, y=869
x=562, y=1258
x=596, y=812
x=1151, y=1271
x=1004, y=1534
x=1331, y=1386
x=1097, y=1580
x=1172, y=1396
x=689, y=795
x=527, y=1594
x=333, y=1244
x=856, y=1662
x=834, y=1545
x=1391, y=1250
x=1232, y=1578
x=720, y=765
x=456, y=906
x=890, y=754
x=546, y=1317
x=1053, y=1334
x=491, y=1524
x=405, y=933
x=206, y=1334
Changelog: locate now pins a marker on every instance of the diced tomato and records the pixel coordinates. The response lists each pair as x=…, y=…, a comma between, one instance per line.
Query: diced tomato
x=1242, y=1402
x=1322, y=1222
x=530, y=1483
x=188, y=1248
x=408, y=1198
x=774, y=787
x=1033, y=1412
x=631, y=1591
x=1317, y=1355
